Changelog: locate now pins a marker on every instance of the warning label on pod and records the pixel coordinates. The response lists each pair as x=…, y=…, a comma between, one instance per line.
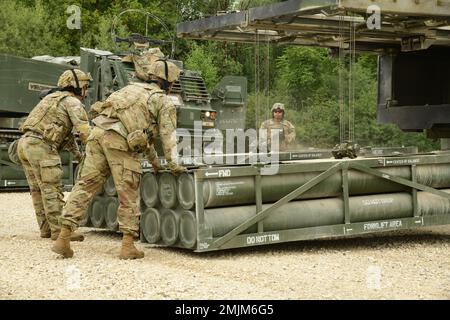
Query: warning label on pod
x=227, y=188
x=377, y=202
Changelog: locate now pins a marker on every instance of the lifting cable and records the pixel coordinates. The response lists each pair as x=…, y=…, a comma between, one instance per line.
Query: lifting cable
x=347, y=108
x=351, y=79
x=258, y=70
x=341, y=64
x=268, y=108
x=257, y=87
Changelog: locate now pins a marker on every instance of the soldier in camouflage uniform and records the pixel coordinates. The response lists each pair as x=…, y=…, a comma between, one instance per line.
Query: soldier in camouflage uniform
x=121, y=130
x=46, y=131
x=285, y=128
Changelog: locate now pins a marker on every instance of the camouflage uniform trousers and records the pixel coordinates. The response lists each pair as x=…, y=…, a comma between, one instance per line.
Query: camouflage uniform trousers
x=107, y=154
x=42, y=166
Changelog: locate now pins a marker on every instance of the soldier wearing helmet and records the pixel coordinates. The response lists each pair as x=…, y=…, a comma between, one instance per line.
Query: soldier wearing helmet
x=122, y=126
x=75, y=81
x=284, y=128
x=46, y=131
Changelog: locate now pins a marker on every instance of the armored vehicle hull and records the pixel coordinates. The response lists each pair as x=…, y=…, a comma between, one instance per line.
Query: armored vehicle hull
x=22, y=81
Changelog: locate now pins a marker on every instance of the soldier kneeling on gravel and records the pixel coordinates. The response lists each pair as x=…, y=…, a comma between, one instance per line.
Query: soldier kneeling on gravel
x=120, y=134
x=46, y=131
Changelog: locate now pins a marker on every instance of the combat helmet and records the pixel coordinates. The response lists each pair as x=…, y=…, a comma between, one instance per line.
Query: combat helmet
x=277, y=106
x=165, y=70
x=74, y=78
x=143, y=62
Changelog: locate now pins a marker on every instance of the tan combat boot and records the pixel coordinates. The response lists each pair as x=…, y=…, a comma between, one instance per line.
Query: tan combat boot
x=128, y=250
x=45, y=230
x=62, y=244
x=75, y=236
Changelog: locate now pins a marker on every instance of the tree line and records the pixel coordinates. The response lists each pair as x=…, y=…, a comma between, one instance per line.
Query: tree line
x=304, y=78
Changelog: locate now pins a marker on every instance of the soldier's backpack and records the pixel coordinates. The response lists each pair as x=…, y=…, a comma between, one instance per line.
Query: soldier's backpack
x=129, y=105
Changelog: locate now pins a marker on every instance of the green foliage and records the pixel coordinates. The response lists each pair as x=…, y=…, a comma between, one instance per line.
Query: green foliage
x=37, y=27
x=258, y=109
x=246, y=4
x=213, y=60
x=318, y=125
x=27, y=31
x=307, y=82
x=318, y=121
x=301, y=72
x=200, y=60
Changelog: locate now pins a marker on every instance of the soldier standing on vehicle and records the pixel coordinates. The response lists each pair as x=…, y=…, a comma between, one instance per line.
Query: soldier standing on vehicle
x=46, y=131
x=286, y=131
x=121, y=131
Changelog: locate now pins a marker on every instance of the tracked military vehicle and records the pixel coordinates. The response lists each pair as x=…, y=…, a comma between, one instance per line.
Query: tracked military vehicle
x=23, y=80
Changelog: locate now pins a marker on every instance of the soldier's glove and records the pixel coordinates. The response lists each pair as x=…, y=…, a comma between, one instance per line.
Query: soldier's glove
x=156, y=165
x=176, y=168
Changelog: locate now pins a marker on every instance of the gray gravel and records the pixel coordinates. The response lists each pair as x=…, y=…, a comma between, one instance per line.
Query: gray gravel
x=407, y=265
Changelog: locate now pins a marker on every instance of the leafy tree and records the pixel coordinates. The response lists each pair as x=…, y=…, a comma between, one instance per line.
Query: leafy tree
x=28, y=31
x=199, y=60
x=300, y=71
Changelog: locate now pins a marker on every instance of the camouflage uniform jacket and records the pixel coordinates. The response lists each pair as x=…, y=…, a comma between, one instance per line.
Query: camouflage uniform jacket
x=54, y=118
x=287, y=132
x=162, y=121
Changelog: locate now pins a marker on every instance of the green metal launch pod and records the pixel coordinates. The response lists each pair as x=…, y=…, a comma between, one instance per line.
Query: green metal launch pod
x=149, y=190
x=97, y=211
x=188, y=229
x=111, y=206
x=170, y=221
x=168, y=190
x=304, y=199
x=109, y=187
x=186, y=192
x=150, y=225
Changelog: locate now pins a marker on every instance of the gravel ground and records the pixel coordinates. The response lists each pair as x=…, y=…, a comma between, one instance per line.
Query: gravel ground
x=407, y=265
